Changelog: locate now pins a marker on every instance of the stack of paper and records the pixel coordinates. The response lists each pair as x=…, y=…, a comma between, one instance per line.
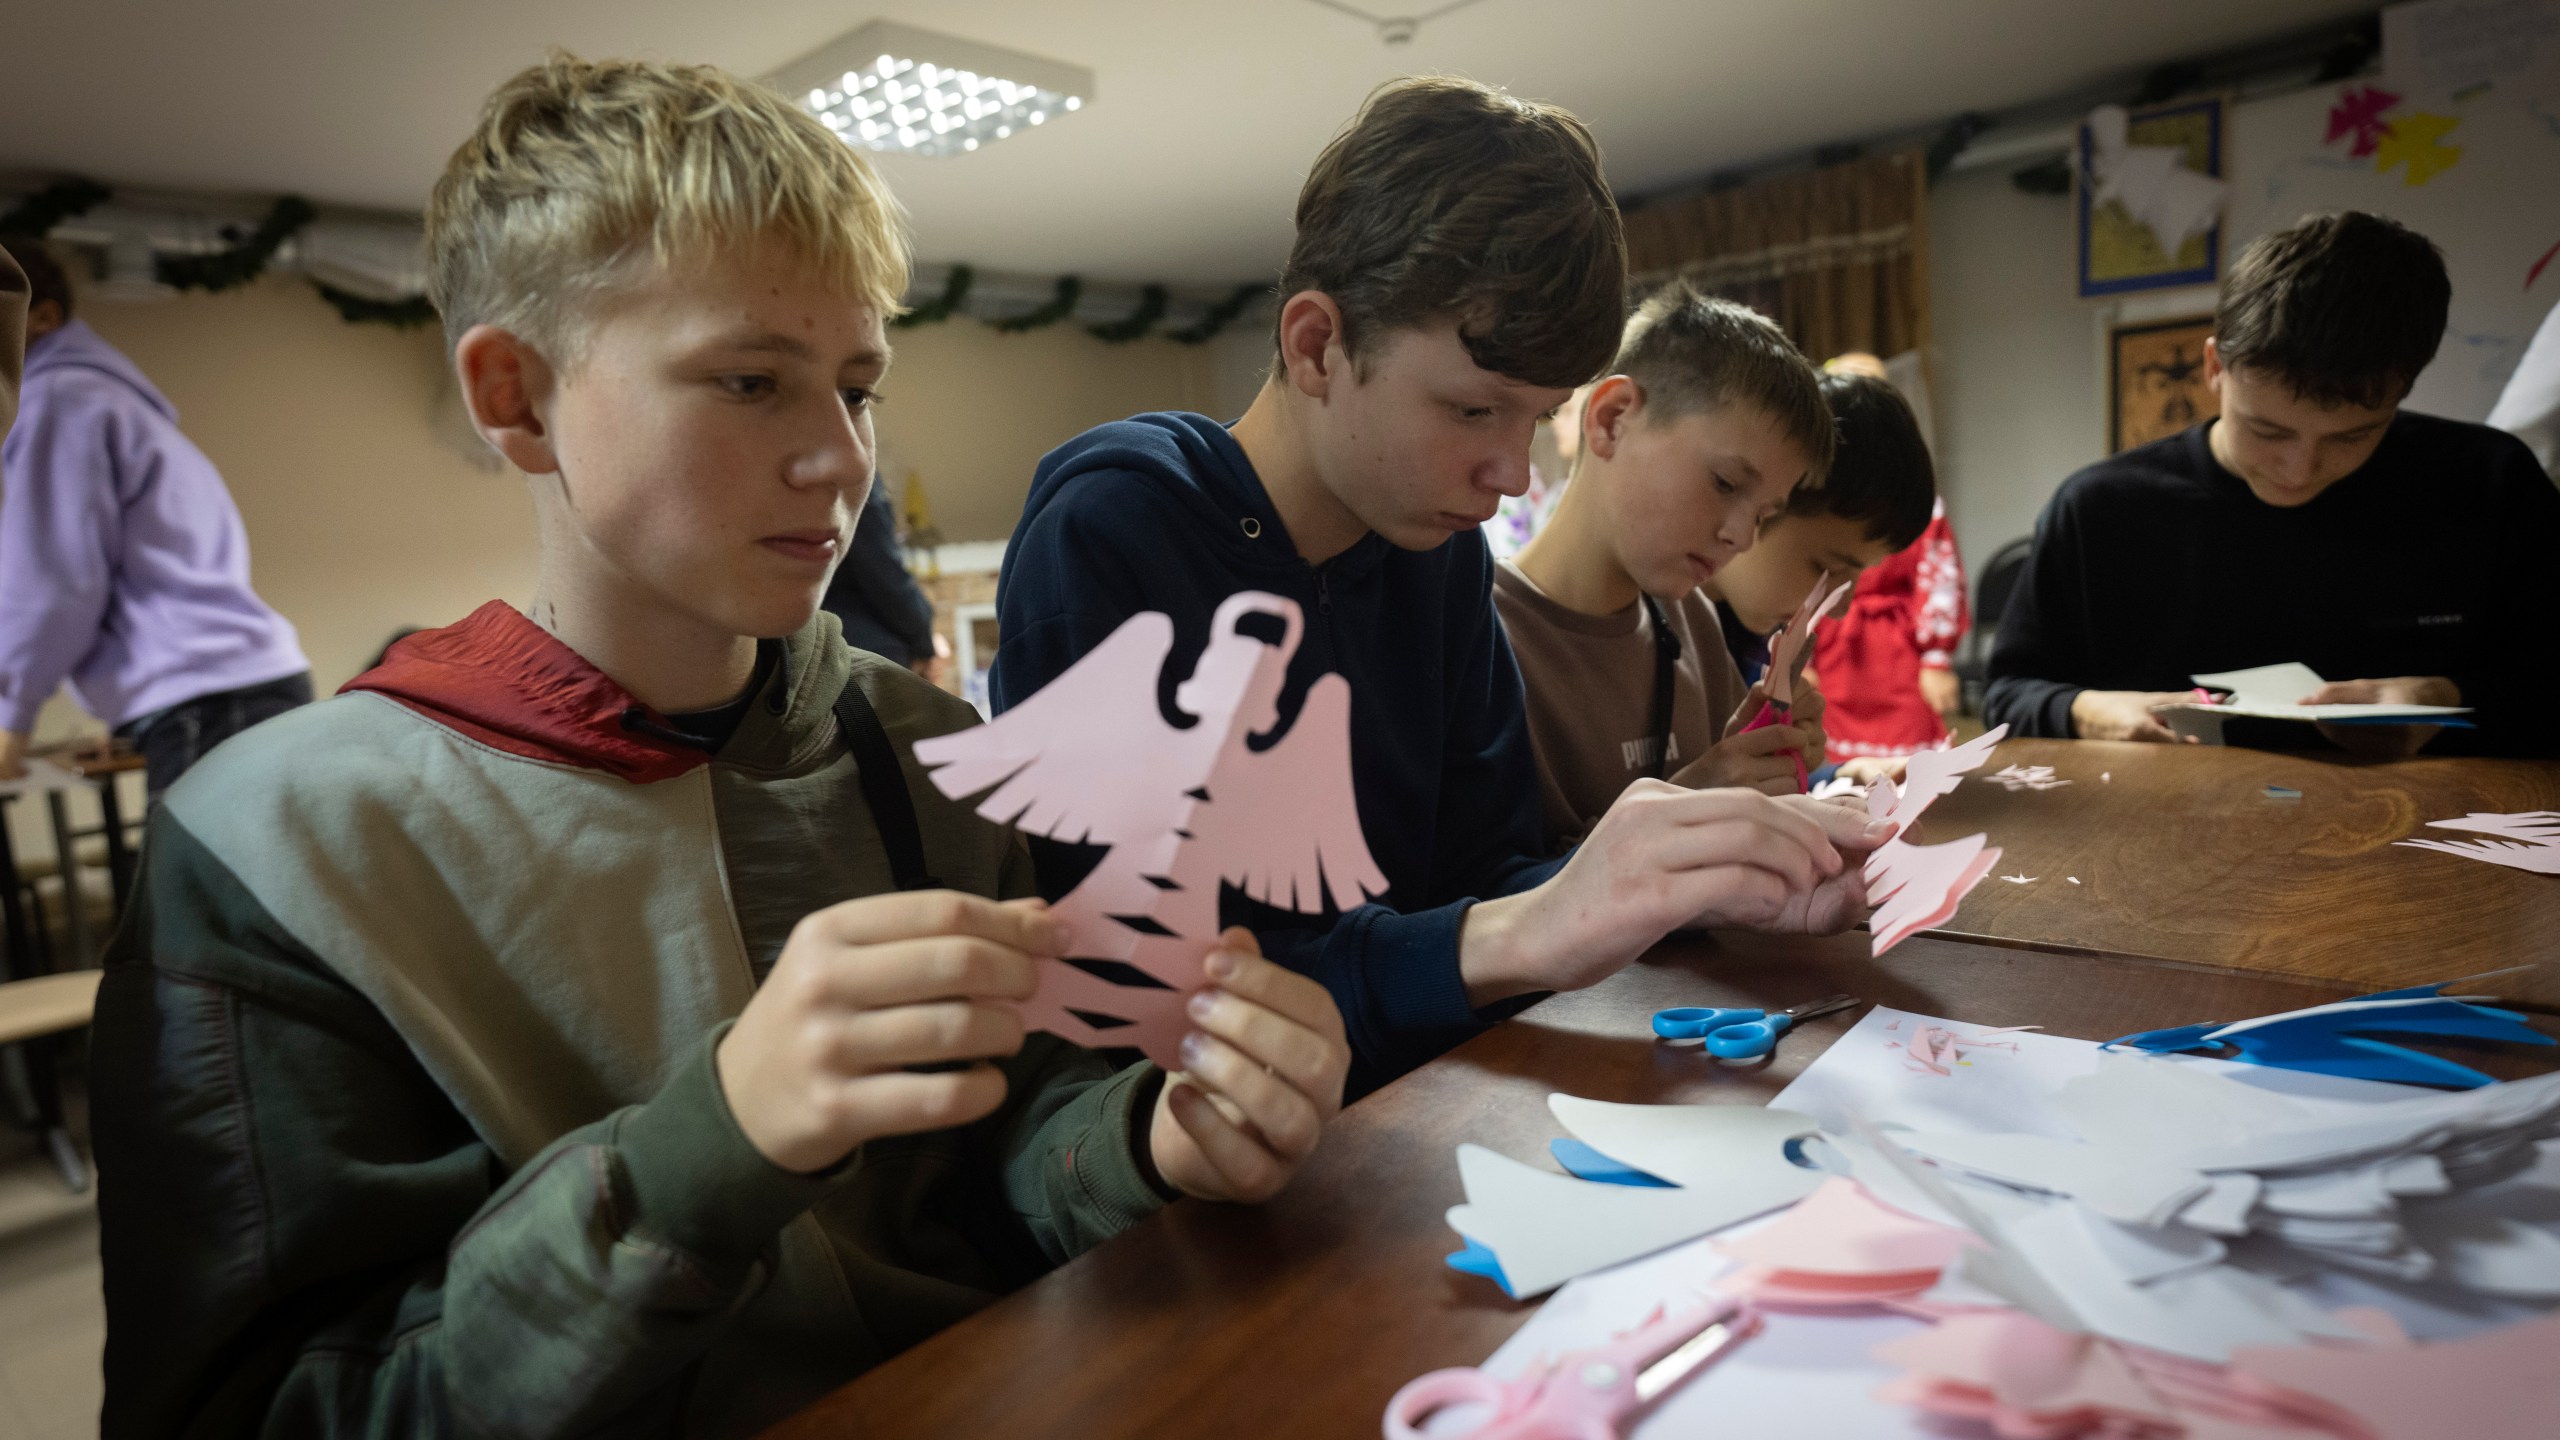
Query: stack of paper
x=2276, y=692
x=2109, y=1243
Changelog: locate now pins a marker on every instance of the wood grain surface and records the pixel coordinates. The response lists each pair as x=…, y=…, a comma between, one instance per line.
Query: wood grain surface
x=2182, y=855
x=1300, y=1317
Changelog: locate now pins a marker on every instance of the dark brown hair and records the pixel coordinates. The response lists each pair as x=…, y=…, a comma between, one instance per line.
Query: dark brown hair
x=45, y=280
x=1692, y=352
x=2344, y=309
x=1446, y=197
x=1880, y=472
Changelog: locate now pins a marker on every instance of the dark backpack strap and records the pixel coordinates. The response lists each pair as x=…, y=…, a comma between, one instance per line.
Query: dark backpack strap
x=884, y=786
x=1666, y=663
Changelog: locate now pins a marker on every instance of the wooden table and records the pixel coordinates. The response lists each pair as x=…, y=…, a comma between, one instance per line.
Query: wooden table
x=2182, y=855
x=1300, y=1317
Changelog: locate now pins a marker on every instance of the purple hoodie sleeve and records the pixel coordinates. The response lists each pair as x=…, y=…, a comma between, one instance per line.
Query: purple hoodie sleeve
x=59, y=534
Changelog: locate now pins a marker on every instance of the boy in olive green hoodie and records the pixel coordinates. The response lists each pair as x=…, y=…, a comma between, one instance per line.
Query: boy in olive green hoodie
x=495, y=1049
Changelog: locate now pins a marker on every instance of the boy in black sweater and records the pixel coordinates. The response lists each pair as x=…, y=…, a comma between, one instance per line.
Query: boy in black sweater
x=2410, y=559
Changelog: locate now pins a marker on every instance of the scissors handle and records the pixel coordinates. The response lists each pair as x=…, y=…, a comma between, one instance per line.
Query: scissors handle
x=1772, y=713
x=1427, y=1395
x=1690, y=1022
x=1749, y=1040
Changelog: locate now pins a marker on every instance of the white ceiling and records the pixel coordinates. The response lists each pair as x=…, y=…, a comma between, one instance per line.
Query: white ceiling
x=1184, y=168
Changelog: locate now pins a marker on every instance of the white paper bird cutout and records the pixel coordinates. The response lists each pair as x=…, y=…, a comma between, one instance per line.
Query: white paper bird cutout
x=1183, y=809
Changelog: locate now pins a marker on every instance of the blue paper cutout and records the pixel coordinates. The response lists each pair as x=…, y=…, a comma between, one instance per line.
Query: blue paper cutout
x=2330, y=1041
x=1584, y=1163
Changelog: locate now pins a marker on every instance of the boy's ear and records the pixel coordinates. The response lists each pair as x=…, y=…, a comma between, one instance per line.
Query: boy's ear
x=1312, y=355
x=506, y=384
x=1614, y=405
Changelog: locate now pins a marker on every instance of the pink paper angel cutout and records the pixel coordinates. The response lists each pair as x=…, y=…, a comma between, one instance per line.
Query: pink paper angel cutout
x=1787, y=647
x=1091, y=759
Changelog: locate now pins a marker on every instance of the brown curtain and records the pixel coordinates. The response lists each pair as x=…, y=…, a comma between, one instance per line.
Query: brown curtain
x=1838, y=256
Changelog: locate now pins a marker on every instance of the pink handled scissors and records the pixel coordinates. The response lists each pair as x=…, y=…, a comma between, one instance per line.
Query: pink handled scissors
x=1587, y=1395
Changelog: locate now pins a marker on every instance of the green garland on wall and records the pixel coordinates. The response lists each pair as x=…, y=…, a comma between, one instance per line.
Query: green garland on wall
x=1220, y=316
x=246, y=257
x=409, y=314
x=1060, y=306
x=1151, y=303
x=955, y=290
x=62, y=200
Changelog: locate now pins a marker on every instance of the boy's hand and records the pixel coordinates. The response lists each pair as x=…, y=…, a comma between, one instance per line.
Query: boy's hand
x=13, y=758
x=1660, y=859
x=1262, y=1076
x=2124, y=714
x=2389, y=742
x=816, y=1064
x=1750, y=760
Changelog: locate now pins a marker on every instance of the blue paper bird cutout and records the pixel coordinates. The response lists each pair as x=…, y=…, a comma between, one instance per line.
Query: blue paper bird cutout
x=2335, y=1039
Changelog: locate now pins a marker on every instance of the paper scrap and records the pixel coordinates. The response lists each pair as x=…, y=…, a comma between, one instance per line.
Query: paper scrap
x=1091, y=759
x=1842, y=1229
x=2019, y=879
x=2019, y=1376
x=2527, y=840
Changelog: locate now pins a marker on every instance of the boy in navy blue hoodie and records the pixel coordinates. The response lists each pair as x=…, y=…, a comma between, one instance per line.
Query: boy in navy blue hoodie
x=1459, y=268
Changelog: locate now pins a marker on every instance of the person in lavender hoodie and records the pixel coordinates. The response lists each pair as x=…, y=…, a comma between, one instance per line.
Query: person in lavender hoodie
x=124, y=567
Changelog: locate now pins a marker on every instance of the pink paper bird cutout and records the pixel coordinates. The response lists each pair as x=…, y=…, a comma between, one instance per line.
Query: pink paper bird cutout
x=1091, y=759
x=1786, y=648
x=2529, y=840
x=1913, y=887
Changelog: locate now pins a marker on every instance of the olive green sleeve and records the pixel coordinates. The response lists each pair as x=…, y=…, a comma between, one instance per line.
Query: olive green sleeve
x=302, y=1237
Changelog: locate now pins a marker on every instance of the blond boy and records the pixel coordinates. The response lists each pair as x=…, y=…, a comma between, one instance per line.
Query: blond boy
x=495, y=1049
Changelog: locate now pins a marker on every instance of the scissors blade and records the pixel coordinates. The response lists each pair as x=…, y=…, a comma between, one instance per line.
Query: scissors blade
x=1697, y=1350
x=1798, y=1014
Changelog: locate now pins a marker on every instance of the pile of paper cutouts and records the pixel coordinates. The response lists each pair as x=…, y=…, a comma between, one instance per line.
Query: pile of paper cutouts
x=2133, y=1282
x=2026, y=777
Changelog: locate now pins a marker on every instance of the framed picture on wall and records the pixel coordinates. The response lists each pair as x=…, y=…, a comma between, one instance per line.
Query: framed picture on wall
x=2150, y=220
x=2155, y=380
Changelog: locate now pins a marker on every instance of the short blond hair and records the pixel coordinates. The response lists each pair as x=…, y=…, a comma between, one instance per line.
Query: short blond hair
x=578, y=168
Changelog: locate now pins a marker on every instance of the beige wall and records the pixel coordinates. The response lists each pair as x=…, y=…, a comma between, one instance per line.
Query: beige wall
x=971, y=411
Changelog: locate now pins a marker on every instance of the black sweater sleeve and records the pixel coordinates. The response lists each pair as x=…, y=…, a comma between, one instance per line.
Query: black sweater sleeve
x=2041, y=661
x=2513, y=684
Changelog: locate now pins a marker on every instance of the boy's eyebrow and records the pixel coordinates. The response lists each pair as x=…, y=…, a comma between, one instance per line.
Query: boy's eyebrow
x=778, y=343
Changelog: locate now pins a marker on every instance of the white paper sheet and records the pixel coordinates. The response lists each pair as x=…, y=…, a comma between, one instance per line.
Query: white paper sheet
x=2274, y=692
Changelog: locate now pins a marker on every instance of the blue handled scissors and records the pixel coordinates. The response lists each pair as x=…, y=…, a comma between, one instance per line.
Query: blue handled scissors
x=1741, y=1034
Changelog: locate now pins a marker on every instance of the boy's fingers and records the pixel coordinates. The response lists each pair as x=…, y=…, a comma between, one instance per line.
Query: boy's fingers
x=1241, y=940
x=1287, y=1120
x=1285, y=992
x=910, y=972
x=909, y=915
x=1847, y=826
x=923, y=1035
x=1249, y=1171
x=1310, y=1061
x=1737, y=844
x=902, y=1102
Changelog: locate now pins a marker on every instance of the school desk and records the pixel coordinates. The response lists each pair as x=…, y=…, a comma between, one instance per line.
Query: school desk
x=1300, y=1317
x=2181, y=853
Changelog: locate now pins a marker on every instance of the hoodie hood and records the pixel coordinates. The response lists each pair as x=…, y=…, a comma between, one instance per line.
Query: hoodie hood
x=510, y=684
x=1197, y=462
x=76, y=346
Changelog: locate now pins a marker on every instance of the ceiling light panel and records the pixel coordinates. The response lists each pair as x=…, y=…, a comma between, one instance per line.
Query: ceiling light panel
x=897, y=88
